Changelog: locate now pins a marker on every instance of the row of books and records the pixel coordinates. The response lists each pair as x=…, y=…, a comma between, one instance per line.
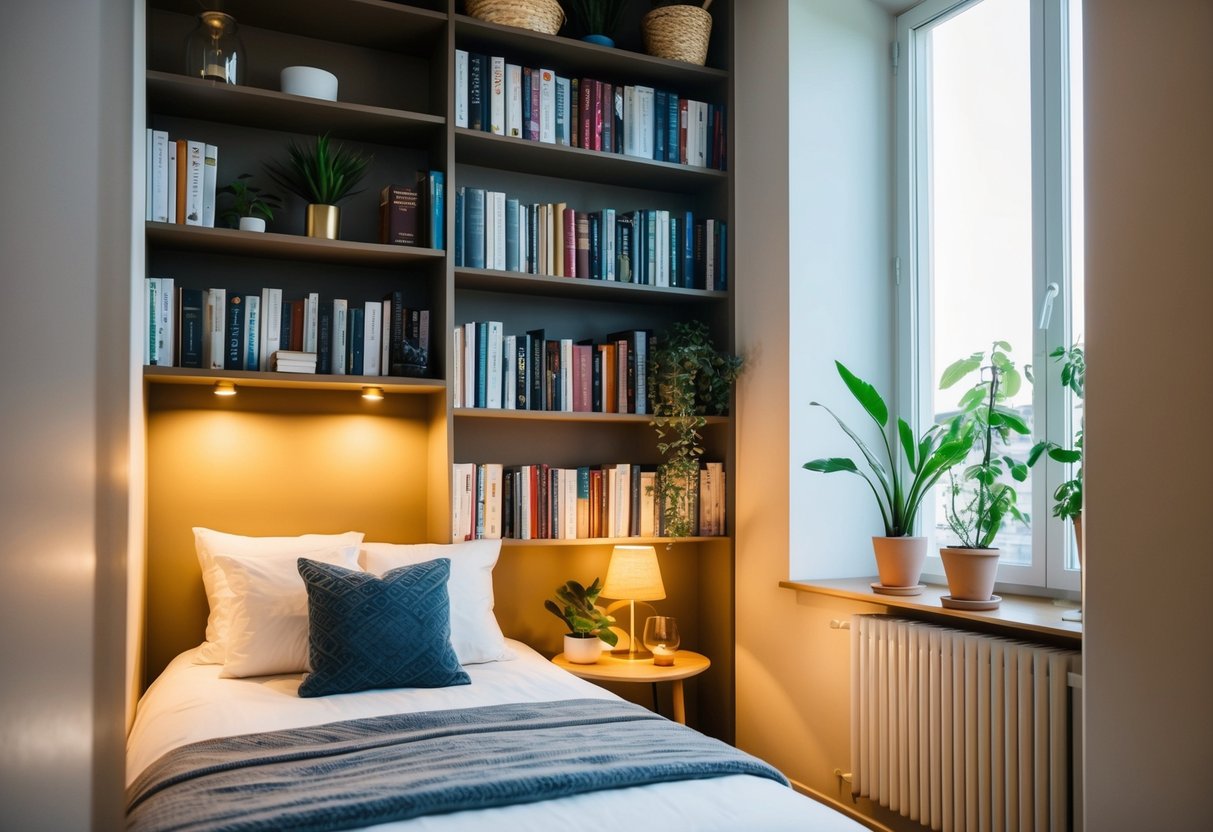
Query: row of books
x=532, y=372
x=414, y=215
x=179, y=182
x=219, y=329
x=545, y=502
x=653, y=247
x=539, y=105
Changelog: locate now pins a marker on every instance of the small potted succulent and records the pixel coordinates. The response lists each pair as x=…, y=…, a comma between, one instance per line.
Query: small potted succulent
x=323, y=175
x=979, y=503
x=589, y=626
x=900, y=554
x=595, y=21
x=251, y=208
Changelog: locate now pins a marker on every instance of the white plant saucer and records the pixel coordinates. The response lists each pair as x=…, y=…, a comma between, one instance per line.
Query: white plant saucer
x=881, y=589
x=964, y=604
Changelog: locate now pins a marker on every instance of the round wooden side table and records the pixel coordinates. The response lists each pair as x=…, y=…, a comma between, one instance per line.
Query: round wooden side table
x=611, y=669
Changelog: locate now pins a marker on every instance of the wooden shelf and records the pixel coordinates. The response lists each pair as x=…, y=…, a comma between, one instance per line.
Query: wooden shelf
x=576, y=57
x=475, y=147
x=378, y=24
x=179, y=95
x=564, y=416
x=510, y=542
x=492, y=280
x=284, y=246
x=301, y=381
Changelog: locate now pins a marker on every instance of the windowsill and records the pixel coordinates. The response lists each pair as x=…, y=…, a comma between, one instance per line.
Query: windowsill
x=1018, y=616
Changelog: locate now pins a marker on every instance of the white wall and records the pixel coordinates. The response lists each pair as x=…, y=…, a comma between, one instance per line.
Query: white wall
x=64, y=234
x=1147, y=647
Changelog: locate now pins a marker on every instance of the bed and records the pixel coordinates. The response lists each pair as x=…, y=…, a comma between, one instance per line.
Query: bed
x=197, y=705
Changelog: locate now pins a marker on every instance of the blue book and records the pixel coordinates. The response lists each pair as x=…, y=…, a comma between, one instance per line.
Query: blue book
x=527, y=74
x=473, y=254
x=595, y=246
x=459, y=200
x=478, y=92
x=189, y=354
x=673, y=256
x=688, y=251
x=532, y=238
x=661, y=113
x=252, y=331
x=354, y=357
x=324, y=339
x=511, y=235
x=437, y=223
x=671, y=127
x=233, y=358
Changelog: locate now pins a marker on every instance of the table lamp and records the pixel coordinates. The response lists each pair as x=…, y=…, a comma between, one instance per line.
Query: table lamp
x=633, y=575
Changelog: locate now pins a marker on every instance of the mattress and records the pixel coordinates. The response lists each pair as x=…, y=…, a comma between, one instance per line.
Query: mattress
x=189, y=702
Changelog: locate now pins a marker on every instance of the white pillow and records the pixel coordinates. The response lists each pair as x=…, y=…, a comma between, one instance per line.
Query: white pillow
x=209, y=543
x=475, y=634
x=268, y=631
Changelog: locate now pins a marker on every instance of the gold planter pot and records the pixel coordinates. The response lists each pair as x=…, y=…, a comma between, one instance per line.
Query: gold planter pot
x=324, y=221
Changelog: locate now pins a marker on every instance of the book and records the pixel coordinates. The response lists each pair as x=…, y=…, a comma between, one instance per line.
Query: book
x=461, y=88
x=509, y=372
x=661, y=113
x=457, y=367
x=190, y=327
x=513, y=100
x=215, y=323
x=522, y=372
x=324, y=340
x=492, y=501
x=498, y=229
x=477, y=91
x=355, y=344
x=562, y=126
x=210, y=169
x=233, y=354
x=462, y=522
x=172, y=169
x=671, y=127
x=534, y=106
x=511, y=235
x=271, y=325
x=645, y=122
x=474, y=229
x=436, y=221
x=528, y=127
x=606, y=103
x=574, y=112
x=311, y=321
x=547, y=106
x=608, y=244
x=581, y=246
x=337, y=356
x=252, y=332
x=160, y=175
x=195, y=157
x=469, y=364
x=372, y=337
x=497, y=95
x=493, y=364
x=460, y=198
x=536, y=364
x=398, y=215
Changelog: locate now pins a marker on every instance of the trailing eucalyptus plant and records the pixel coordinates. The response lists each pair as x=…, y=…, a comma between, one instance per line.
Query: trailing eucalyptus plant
x=1068, y=496
x=980, y=501
x=323, y=174
x=576, y=608
x=898, y=498
x=688, y=379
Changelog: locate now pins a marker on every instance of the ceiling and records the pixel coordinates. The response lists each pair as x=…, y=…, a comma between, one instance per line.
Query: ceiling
x=896, y=6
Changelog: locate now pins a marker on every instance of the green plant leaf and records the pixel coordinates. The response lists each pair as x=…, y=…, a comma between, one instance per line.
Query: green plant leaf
x=907, y=444
x=959, y=369
x=1011, y=382
x=1010, y=419
x=832, y=465
x=1065, y=455
x=865, y=394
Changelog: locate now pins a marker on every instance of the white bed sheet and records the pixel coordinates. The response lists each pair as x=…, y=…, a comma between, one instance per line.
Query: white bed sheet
x=189, y=702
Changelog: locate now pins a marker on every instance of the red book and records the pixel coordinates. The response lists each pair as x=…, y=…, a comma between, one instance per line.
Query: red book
x=534, y=122
x=297, y=325
x=570, y=243
x=574, y=112
x=582, y=257
x=583, y=377
x=606, y=105
x=626, y=403
x=533, y=508
x=596, y=110
x=682, y=130
x=585, y=108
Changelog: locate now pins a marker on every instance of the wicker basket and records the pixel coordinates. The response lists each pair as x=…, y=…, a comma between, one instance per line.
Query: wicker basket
x=679, y=33
x=537, y=15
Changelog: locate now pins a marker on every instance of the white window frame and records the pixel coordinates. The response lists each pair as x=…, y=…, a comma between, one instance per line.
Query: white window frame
x=1050, y=112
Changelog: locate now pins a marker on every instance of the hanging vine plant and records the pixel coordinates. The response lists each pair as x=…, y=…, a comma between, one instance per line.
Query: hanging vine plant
x=688, y=380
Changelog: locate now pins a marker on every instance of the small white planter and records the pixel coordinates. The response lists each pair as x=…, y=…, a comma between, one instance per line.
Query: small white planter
x=252, y=224
x=582, y=650
x=310, y=81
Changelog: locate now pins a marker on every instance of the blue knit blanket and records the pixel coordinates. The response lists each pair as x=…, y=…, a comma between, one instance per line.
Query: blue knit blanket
x=346, y=775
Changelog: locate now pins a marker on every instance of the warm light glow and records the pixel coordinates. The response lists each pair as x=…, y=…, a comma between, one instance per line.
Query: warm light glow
x=634, y=574
x=374, y=394
x=225, y=388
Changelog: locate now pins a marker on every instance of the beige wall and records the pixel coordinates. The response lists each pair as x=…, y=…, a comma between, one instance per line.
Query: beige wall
x=64, y=234
x=1148, y=654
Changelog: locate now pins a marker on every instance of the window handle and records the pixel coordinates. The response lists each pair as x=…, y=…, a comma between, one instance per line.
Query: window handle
x=1046, y=306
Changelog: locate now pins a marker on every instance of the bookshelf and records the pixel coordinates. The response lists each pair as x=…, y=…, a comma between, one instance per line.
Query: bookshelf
x=418, y=434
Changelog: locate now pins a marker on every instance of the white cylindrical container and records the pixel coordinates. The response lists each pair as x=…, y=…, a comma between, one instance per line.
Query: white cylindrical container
x=252, y=224
x=310, y=81
x=582, y=650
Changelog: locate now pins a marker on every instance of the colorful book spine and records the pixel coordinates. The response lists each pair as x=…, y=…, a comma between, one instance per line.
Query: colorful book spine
x=461, y=88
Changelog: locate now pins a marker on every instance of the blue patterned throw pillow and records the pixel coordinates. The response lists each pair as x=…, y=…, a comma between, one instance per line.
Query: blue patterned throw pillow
x=366, y=632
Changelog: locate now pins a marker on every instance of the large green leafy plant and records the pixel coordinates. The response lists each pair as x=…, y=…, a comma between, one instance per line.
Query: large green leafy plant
x=322, y=174
x=688, y=379
x=1068, y=497
x=934, y=453
x=981, y=500
x=575, y=606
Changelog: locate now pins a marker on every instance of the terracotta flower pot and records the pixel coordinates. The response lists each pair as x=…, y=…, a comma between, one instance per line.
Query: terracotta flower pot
x=582, y=650
x=899, y=560
x=970, y=572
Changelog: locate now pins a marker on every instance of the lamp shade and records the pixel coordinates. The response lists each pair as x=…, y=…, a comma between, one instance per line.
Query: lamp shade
x=634, y=574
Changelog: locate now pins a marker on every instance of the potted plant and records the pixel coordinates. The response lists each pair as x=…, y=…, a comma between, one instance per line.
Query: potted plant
x=251, y=207
x=595, y=20
x=980, y=502
x=323, y=175
x=688, y=379
x=1068, y=496
x=589, y=626
x=678, y=30
x=899, y=554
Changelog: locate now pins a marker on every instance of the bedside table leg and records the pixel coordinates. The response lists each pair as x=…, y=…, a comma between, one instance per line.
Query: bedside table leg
x=680, y=711
x=656, y=705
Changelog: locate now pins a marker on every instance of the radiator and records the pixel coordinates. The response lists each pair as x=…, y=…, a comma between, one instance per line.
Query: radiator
x=958, y=730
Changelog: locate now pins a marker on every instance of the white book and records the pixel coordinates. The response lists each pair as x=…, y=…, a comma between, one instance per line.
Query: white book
x=630, y=145
x=509, y=372
x=490, y=229
x=497, y=96
x=457, y=366
x=166, y=321
x=469, y=364
x=372, y=336
x=252, y=332
x=148, y=156
x=216, y=322
x=195, y=162
x=709, y=254
x=686, y=120
x=549, y=241
x=568, y=503
x=566, y=374
x=646, y=122
x=271, y=325
x=564, y=121
x=648, y=503
x=210, y=169
x=498, y=230
x=663, y=248
x=461, y=490
x=700, y=160
x=492, y=500
x=160, y=175
x=171, y=183
x=385, y=339
x=608, y=244
x=547, y=106
x=311, y=321
x=513, y=100
x=493, y=368
x=340, y=327
x=461, y=88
